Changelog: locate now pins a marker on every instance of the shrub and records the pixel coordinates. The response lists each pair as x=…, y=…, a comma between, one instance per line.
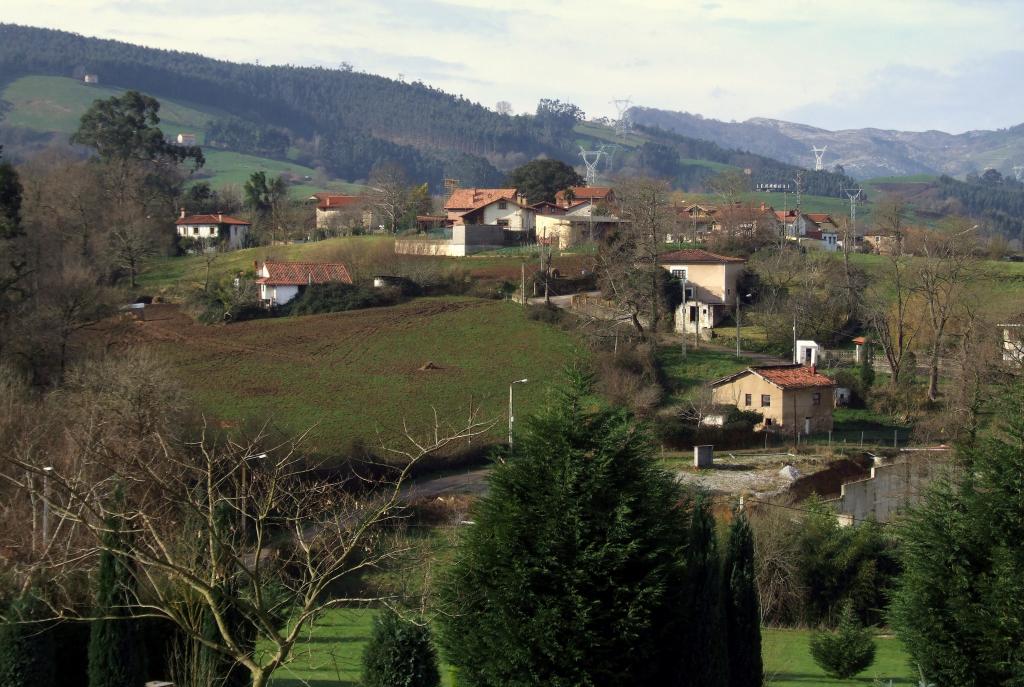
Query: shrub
x=27, y=651
x=545, y=313
x=400, y=654
x=325, y=298
x=848, y=650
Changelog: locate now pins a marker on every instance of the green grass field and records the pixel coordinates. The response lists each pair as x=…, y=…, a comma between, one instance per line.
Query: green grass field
x=56, y=104
x=357, y=375
x=687, y=377
x=331, y=655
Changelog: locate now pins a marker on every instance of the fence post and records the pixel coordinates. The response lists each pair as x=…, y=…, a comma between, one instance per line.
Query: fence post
x=894, y=437
x=862, y=439
x=830, y=440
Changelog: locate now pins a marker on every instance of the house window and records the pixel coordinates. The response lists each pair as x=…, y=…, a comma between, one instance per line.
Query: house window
x=503, y=223
x=195, y=230
x=816, y=399
x=766, y=401
x=748, y=399
x=502, y=205
x=767, y=422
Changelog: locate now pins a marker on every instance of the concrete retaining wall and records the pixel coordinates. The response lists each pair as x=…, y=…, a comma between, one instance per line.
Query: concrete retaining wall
x=890, y=488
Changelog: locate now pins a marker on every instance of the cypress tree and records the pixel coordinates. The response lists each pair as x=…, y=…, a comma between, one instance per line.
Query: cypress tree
x=400, y=654
x=574, y=571
x=27, y=655
x=114, y=656
x=742, y=609
x=703, y=647
x=957, y=606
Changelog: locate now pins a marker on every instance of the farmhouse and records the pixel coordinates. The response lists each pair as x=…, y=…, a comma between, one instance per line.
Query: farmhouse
x=336, y=212
x=710, y=282
x=791, y=398
x=280, y=282
x=215, y=229
x=693, y=221
x=500, y=207
x=575, y=196
x=564, y=230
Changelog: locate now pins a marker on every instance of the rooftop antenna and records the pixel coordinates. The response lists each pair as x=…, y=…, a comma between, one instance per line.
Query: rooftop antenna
x=1018, y=172
x=591, y=158
x=818, y=154
x=622, y=124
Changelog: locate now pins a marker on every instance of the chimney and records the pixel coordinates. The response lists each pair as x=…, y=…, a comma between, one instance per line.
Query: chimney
x=183, y=213
x=220, y=218
x=256, y=266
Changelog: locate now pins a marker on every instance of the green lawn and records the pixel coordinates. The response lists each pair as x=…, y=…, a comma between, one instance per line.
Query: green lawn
x=331, y=655
x=687, y=377
x=357, y=375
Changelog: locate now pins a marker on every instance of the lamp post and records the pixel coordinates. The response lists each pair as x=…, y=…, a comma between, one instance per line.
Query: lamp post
x=511, y=407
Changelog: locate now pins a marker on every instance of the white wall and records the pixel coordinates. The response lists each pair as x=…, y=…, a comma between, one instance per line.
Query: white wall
x=278, y=295
x=519, y=219
x=235, y=232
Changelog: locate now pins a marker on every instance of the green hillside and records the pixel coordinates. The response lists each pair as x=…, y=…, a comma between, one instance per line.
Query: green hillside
x=53, y=104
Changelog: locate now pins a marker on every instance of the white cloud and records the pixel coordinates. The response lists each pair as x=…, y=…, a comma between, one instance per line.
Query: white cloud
x=730, y=59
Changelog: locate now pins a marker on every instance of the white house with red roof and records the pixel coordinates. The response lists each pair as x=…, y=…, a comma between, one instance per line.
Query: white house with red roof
x=816, y=230
x=710, y=281
x=214, y=229
x=280, y=282
x=496, y=207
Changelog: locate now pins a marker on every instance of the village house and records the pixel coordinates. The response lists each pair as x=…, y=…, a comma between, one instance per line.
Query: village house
x=219, y=229
x=280, y=282
x=711, y=283
x=500, y=207
x=790, y=398
x=574, y=197
x=184, y=139
x=693, y=222
x=746, y=219
x=563, y=231
x=336, y=212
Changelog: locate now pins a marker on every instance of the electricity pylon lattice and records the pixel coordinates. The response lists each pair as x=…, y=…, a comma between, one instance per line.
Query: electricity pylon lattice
x=622, y=124
x=819, y=153
x=854, y=195
x=591, y=158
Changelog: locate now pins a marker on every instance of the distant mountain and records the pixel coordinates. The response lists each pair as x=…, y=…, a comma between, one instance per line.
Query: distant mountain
x=862, y=153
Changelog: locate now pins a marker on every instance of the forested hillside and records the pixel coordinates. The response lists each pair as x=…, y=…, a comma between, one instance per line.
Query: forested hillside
x=347, y=122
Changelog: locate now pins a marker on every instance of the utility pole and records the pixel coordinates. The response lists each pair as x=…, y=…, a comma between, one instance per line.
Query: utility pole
x=794, y=339
x=523, y=265
x=686, y=310
x=737, y=324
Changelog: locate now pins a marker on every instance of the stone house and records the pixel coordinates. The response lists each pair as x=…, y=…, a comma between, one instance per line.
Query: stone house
x=791, y=398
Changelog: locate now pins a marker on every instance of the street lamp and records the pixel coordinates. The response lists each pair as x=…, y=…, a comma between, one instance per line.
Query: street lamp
x=511, y=407
x=684, y=310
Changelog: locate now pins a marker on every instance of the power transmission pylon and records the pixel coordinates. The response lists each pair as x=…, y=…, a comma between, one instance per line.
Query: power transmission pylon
x=854, y=195
x=622, y=124
x=591, y=158
x=798, y=183
x=818, y=154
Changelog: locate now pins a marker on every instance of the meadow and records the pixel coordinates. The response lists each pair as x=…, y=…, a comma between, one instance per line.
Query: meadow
x=357, y=376
x=331, y=655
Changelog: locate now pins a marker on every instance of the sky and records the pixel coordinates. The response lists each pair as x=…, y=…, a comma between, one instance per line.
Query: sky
x=950, y=65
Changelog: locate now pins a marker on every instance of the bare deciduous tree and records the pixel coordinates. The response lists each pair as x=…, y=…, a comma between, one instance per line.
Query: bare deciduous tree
x=247, y=535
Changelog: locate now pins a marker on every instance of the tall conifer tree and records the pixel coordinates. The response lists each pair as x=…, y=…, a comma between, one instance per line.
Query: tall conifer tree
x=574, y=571
x=742, y=609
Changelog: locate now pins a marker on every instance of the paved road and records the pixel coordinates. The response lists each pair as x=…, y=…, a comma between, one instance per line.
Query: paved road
x=472, y=482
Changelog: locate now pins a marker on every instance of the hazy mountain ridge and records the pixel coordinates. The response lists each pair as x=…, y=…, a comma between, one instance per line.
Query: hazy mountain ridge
x=863, y=153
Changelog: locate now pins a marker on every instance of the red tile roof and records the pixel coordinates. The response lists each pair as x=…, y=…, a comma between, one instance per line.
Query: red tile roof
x=689, y=256
x=472, y=198
x=820, y=218
x=792, y=376
x=587, y=193
x=301, y=273
x=333, y=202
x=211, y=219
